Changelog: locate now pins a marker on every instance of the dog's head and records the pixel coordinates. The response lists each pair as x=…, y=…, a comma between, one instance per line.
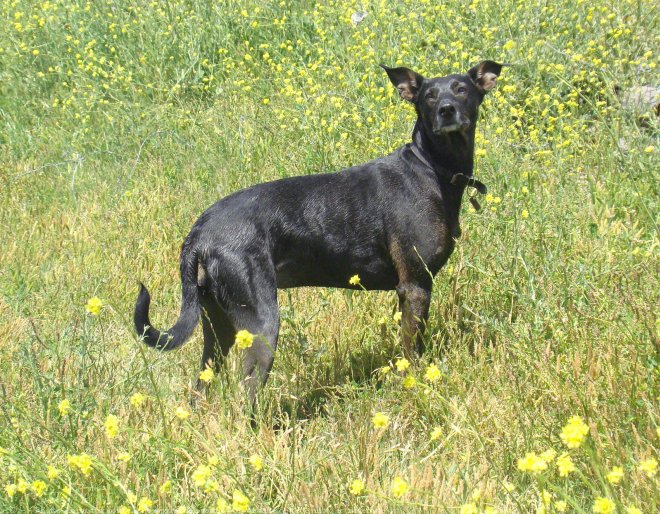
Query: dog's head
x=448, y=104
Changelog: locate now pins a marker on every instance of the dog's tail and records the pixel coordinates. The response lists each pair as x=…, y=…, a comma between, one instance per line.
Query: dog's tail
x=190, y=308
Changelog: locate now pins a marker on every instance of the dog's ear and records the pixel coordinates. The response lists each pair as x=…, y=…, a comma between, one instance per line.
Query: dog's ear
x=406, y=81
x=484, y=75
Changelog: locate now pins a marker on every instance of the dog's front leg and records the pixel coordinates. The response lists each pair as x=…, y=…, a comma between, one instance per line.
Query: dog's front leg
x=414, y=301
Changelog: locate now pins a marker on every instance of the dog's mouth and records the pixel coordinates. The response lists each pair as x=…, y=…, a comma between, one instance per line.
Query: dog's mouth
x=454, y=126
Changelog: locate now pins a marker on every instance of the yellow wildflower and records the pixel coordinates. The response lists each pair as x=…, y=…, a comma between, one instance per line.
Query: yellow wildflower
x=397, y=317
x=603, y=506
x=144, y=505
x=560, y=506
x=508, y=486
x=38, y=487
x=165, y=488
x=402, y=364
x=409, y=382
x=239, y=502
x=436, y=433
x=633, y=510
x=52, y=473
x=399, y=487
x=221, y=506
x=256, y=462
x=357, y=487
x=206, y=375
x=94, y=306
x=10, y=490
x=182, y=413
x=22, y=486
x=469, y=508
x=649, y=466
x=201, y=475
x=574, y=432
x=565, y=465
x=532, y=463
x=244, y=339
x=380, y=420
x=354, y=280
x=615, y=476
x=432, y=373
x=82, y=463
x=124, y=510
x=64, y=407
x=524, y=214
x=111, y=426
x=124, y=457
x=548, y=456
x=137, y=400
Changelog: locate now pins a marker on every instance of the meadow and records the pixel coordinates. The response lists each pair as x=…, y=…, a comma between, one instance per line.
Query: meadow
x=121, y=121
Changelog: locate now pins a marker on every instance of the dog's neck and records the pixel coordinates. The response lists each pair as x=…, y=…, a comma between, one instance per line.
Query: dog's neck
x=447, y=154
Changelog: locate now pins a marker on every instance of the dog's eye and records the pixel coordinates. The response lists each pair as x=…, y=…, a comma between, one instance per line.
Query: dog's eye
x=430, y=95
x=461, y=90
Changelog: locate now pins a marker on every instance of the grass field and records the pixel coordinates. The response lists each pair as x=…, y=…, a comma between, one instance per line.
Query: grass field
x=121, y=121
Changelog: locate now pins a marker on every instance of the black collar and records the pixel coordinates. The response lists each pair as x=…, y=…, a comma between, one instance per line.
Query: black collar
x=456, y=179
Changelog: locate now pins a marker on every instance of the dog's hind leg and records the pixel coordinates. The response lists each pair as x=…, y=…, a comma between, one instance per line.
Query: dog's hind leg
x=218, y=335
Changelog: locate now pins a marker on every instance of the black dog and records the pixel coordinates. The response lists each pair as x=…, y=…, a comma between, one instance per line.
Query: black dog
x=391, y=221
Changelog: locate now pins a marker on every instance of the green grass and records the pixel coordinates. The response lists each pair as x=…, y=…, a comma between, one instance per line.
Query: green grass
x=122, y=121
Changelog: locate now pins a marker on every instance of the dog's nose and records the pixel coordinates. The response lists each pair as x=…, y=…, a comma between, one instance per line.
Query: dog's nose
x=447, y=111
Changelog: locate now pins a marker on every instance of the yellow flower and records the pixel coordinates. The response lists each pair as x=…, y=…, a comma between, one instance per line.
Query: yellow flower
x=239, y=502
x=649, y=149
x=649, y=466
x=52, y=473
x=256, y=462
x=22, y=486
x=206, y=375
x=10, y=490
x=402, y=364
x=124, y=457
x=201, y=475
x=165, y=488
x=354, y=280
x=432, y=373
x=508, y=486
x=397, y=316
x=111, y=426
x=603, y=506
x=144, y=505
x=137, y=400
x=633, y=510
x=574, y=432
x=380, y=420
x=82, y=463
x=548, y=456
x=221, y=506
x=64, y=407
x=615, y=476
x=565, y=465
x=399, y=487
x=124, y=510
x=409, y=382
x=94, y=306
x=524, y=214
x=244, y=339
x=532, y=463
x=469, y=508
x=560, y=506
x=182, y=413
x=382, y=320
x=436, y=433
x=39, y=487
x=357, y=487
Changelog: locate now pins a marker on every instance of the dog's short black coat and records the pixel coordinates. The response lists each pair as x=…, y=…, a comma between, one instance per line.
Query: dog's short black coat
x=391, y=221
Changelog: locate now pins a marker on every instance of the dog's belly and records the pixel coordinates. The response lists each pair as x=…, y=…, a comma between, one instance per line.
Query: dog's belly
x=300, y=271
